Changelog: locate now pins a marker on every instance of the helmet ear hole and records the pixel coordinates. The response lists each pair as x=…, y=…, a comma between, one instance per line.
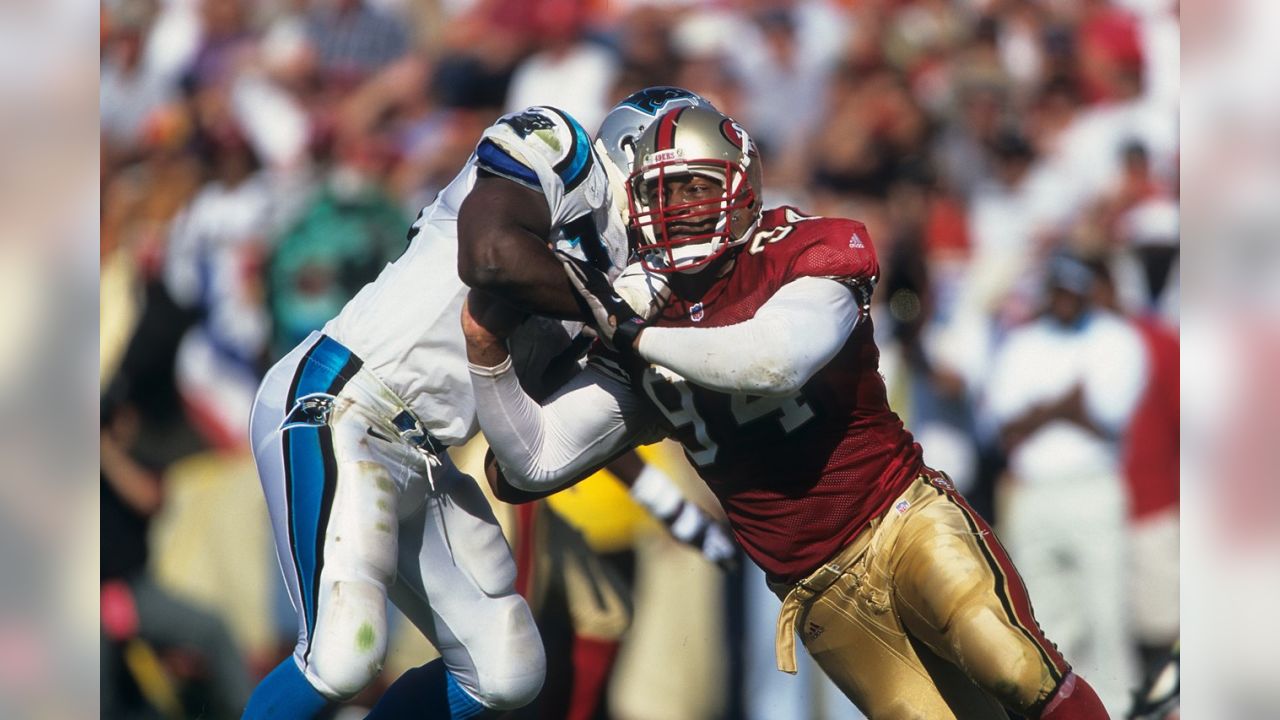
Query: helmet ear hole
x=628, y=144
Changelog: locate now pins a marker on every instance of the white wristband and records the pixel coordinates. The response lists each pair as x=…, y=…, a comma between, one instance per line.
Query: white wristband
x=490, y=372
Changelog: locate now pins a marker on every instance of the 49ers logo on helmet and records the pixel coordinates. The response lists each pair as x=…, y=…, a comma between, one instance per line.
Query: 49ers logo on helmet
x=734, y=133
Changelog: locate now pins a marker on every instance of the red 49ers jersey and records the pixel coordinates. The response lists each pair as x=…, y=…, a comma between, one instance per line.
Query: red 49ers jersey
x=798, y=476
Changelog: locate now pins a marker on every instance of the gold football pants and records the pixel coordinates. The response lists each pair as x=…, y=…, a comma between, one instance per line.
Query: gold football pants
x=923, y=616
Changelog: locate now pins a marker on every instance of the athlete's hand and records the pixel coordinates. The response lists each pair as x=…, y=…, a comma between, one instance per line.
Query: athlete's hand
x=614, y=321
x=646, y=292
x=487, y=322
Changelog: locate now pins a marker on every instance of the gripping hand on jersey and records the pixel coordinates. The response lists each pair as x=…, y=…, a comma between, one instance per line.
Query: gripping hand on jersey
x=686, y=522
x=613, y=319
x=646, y=292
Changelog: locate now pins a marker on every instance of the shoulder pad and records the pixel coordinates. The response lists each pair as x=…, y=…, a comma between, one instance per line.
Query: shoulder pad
x=798, y=245
x=536, y=146
x=837, y=248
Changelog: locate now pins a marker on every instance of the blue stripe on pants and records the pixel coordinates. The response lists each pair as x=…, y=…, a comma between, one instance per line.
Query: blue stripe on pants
x=310, y=467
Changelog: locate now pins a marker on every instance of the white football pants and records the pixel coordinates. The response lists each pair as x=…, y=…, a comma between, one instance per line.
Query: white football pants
x=361, y=511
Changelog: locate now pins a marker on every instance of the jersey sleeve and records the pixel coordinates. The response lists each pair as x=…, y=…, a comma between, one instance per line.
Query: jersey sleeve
x=839, y=250
x=583, y=425
x=790, y=338
x=543, y=149
x=546, y=150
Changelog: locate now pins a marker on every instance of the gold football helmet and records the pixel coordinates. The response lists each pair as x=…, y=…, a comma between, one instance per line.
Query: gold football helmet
x=684, y=232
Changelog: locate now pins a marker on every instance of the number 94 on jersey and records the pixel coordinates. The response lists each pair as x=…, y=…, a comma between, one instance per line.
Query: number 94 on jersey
x=696, y=429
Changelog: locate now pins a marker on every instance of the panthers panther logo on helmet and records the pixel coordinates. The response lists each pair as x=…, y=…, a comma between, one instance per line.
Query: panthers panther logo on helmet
x=629, y=118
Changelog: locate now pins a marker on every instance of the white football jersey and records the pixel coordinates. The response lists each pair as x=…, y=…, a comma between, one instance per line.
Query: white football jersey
x=405, y=325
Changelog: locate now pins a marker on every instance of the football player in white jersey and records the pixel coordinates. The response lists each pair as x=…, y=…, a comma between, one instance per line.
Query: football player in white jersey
x=350, y=429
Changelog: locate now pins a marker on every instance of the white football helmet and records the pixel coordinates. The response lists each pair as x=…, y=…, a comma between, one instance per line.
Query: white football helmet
x=693, y=142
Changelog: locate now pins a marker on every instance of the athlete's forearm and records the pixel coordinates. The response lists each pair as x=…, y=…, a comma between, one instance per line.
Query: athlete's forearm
x=486, y=324
x=520, y=272
x=582, y=427
x=503, y=249
x=775, y=352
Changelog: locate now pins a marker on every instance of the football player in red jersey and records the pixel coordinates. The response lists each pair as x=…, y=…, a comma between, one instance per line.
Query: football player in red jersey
x=754, y=349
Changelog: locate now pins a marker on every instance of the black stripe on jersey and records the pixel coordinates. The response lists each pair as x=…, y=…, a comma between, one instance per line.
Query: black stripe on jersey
x=414, y=229
x=578, y=143
x=583, y=230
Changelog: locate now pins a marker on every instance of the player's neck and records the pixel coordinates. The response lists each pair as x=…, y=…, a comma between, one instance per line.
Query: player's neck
x=692, y=288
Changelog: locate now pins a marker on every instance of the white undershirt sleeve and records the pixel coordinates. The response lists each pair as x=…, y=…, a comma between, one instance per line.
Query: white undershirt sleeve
x=792, y=336
x=576, y=431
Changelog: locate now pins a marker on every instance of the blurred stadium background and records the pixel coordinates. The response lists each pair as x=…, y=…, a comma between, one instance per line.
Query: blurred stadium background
x=261, y=159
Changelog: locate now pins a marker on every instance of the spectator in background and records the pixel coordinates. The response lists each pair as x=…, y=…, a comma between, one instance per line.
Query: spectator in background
x=1141, y=218
x=465, y=95
x=1009, y=224
x=785, y=60
x=1063, y=392
x=1150, y=231
x=703, y=40
x=134, y=607
x=226, y=43
x=1091, y=149
x=1022, y=48
x=1108, y=49
x=213, y=268
x=936, y=403
x=1136, y=182
x=961, y=147
x=1051, y=112
x=345, y=235
x=481, y=50
x=139, y=201
x=352, y=39
x=128, y=93
x=567, y=71
x=1151, y=469
x=871, y=133
x=978, y=62
x=645, y=51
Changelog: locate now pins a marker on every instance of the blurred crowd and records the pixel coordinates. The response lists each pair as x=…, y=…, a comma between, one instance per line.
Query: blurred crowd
x=1016, y=163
